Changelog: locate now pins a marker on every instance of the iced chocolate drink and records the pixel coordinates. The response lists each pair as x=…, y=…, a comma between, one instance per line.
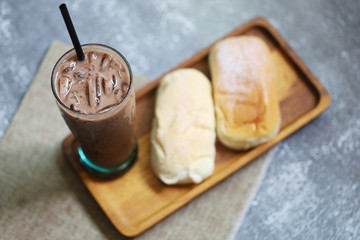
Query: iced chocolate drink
x=96, y=98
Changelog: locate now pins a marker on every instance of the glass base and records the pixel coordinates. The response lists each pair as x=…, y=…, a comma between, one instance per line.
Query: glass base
x=107, y=172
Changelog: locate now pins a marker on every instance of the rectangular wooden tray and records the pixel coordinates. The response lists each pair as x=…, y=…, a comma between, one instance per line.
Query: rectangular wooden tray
x=138, y=200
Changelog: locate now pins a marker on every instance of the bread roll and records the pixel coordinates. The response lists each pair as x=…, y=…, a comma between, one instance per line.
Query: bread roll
x=244, y=86
x=183, y=131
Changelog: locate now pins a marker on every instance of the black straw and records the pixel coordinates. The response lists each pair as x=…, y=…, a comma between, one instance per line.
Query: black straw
x=70, y=27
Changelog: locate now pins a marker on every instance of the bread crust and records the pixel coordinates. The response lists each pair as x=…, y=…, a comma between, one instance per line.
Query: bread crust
x=245, y=94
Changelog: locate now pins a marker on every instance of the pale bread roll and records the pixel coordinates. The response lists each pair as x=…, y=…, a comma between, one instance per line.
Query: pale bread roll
x=183, y=131
x=245, y=94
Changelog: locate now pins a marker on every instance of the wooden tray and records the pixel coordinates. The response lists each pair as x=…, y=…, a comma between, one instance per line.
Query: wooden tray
x=138, y=200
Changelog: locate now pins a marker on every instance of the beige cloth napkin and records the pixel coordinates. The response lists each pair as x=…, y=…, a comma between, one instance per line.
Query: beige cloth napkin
x=42, y=198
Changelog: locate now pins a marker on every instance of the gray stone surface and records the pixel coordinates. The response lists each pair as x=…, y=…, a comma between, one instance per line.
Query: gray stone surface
x=311, y=190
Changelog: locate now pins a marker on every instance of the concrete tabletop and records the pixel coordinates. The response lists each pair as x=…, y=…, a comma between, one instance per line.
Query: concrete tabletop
x=311, y=190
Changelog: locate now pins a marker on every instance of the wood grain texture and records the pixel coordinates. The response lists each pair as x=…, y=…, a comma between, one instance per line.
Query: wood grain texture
x=138, y=200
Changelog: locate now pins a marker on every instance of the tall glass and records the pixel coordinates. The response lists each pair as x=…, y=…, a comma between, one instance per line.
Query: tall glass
x=107, y=142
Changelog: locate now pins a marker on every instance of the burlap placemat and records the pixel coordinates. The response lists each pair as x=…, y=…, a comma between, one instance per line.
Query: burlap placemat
x=42, y=198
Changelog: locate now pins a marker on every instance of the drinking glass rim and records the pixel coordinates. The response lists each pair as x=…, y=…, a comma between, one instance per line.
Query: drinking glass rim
x=110, y=108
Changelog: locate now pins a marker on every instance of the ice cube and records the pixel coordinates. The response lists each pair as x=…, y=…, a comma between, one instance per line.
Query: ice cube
x=73, y=101
x=65, y=83
x=98, y=87
x=74, y=107
x=118, y=95
x=79, y=75
x=108, y=85
x=76, y=99
x=124, y=87
x=105, y=63
x=75, y=104
x=92, y=56
x=92, y=98
x=120, y=73
x=114, y=80
x=120, y=66
x=71, y=66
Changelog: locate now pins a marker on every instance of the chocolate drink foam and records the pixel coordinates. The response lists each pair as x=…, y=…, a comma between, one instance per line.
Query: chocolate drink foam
x=97, y=101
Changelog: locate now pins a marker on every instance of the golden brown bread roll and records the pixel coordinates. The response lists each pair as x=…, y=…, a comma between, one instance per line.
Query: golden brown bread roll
x=244, y=88
x=183, y=131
